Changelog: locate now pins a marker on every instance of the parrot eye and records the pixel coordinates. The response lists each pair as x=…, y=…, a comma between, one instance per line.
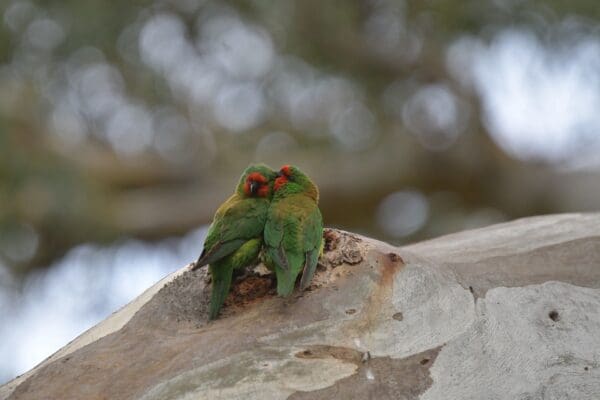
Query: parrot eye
x=254, y=186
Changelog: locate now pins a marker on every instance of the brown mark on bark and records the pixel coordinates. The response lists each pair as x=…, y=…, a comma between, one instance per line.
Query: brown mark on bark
x=389, y=264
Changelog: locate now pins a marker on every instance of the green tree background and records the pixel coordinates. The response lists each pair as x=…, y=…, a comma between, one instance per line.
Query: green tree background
x=106, y=131
x=416, y=118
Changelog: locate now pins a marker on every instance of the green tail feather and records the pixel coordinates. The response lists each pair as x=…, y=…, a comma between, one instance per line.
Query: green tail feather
x=312, y=258
x=285, y=281
x=222, y=272
x=286, y=278
x=221, y=281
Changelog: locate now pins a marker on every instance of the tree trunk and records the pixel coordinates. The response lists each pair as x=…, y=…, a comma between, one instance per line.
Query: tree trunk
x=504, y=312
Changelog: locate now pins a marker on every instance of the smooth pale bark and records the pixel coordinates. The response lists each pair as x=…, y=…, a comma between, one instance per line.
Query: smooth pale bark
x=504, y=312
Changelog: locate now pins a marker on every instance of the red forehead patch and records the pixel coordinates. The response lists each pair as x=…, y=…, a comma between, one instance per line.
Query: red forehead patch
x=256, y=177
x=286, y=170
x=280, y=181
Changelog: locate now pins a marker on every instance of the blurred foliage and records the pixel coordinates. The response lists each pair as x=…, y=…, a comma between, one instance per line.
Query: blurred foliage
x=134, y=118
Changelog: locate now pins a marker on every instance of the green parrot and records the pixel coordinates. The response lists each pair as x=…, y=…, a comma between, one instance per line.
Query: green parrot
x=294, y=230
x=234, y=238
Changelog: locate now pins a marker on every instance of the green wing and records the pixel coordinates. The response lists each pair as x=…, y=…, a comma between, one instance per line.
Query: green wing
x=274, y=227
x=235, y=222
x=313, y=233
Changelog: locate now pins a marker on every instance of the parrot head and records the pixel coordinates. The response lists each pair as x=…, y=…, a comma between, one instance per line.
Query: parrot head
x=257, y=181
x=292, y=180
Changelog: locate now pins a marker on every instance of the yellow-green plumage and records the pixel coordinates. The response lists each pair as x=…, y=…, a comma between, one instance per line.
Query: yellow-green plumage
x=294, y=230
x=221, y=272
x=234, y=238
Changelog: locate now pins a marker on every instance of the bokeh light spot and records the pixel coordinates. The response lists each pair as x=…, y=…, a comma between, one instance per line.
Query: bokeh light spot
x=403, y=213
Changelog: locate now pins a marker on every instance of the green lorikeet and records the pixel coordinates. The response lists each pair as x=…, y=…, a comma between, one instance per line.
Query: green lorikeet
x=234, y=238
x=294, y=230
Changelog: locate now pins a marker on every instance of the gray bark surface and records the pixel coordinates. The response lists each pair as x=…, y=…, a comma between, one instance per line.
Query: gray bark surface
x=510, y=311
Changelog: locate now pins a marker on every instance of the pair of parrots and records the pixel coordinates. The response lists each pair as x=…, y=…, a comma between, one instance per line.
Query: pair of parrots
x=274, y=211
